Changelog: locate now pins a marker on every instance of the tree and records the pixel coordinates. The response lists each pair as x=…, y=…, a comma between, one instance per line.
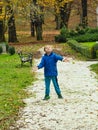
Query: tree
x=31, y=10
x=38, y=27
x=7, y=20
x=12, y=36
x=36, y=17
x=2, y=37
x=65, y=14
x=2, y=18
x=62, y=10
x=32, y=20
x=84, y=13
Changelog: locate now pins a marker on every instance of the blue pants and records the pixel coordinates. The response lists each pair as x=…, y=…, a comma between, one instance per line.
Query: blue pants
x=55, y=83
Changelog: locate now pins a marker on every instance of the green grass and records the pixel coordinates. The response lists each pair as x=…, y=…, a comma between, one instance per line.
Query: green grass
x=13, y=80
x=94, y=67
x=88, y=44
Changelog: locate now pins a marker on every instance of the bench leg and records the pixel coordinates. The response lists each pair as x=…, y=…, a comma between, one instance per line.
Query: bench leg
x=22, y=63
x=31, y=63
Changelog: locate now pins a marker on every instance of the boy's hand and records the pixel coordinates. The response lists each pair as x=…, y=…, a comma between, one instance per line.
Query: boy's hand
x=35, y=69
x=65, y=59
x=69, y=60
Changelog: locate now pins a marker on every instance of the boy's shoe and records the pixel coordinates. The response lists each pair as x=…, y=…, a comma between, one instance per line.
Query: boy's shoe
x=46, y=97
x=60, y=96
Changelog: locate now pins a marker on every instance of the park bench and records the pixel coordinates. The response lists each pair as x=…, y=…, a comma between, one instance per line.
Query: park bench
x=25, y=57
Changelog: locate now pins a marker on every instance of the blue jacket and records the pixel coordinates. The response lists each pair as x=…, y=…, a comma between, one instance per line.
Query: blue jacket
x=49, y=62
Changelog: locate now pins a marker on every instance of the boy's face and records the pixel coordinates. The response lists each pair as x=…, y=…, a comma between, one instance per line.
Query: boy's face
x=48, y=49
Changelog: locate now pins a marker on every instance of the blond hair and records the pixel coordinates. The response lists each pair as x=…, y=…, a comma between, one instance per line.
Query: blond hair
x=48, y=46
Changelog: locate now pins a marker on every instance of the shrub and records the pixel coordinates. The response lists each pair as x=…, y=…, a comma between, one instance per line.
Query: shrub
x=11, y=50
x=64, y=31
x=96, y=47
x=60, y=38
x=1, y=49
x=97, y=54
x=88, y=52
x=80, y=34
x=87, y=37
x=81, y=31
x=92, y=30
x=95, y=50
x=72, y=33
x=84, y=34
x=7, y=47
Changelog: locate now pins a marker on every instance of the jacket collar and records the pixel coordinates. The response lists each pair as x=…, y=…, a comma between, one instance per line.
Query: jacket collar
x=49, y=54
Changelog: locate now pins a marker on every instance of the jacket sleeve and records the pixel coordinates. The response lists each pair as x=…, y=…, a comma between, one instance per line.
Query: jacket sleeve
x=58, y=57
x=41, y=64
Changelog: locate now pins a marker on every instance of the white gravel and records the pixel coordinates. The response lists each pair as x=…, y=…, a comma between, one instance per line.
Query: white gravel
x=78, y=110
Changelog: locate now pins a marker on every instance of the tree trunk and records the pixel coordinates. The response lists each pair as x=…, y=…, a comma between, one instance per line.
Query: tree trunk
x=84, y=13
x=2, y=38
x=65, y=14
x=34, y=2
x=12, y=30
x=58, y=21
x=32, y=20
x=37, y=21
x=38, y=27
x=32, y=29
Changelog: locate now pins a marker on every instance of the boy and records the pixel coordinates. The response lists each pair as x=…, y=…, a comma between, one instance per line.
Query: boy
x=49, y=62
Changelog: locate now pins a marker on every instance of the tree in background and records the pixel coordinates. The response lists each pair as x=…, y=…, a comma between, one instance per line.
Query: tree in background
x=12, y=36
x=7, y=21
x=2, y=37
x=84, y=13
x=2, y=20
x=36, y=16
x=32, y=19
x=65, y=11
x=31, y=10
x=62, y=10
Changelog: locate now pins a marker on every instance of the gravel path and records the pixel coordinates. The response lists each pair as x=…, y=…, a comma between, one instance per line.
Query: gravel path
x=78, y=110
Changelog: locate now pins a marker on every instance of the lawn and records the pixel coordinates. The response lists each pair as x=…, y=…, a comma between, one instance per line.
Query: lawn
x=94, y=67
x=88, y=44
x=13, y=80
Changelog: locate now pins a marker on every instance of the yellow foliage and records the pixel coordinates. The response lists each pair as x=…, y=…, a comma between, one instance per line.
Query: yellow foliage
x=54, y=4
x=51, y=3
x=26, y=3
x=1, y=17
x=2, y=13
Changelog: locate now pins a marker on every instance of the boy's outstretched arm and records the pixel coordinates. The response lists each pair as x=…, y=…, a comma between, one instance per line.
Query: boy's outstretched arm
x=35, y=69
x=65, y=59
x=41, y=65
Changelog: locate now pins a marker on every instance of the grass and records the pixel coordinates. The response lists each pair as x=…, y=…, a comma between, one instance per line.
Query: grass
x=13, y=81
x=88, y=44
x=94, y=67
